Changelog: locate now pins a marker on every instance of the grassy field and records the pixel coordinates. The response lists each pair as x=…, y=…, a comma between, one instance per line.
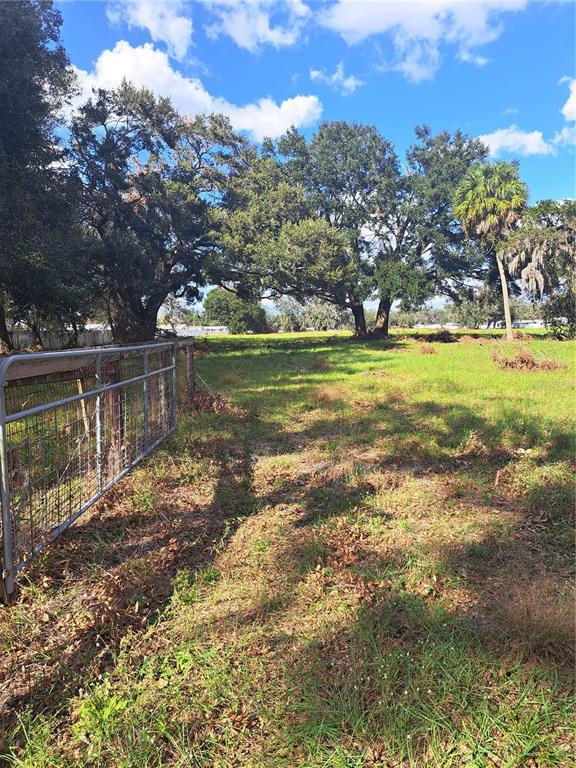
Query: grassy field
x=365, y=560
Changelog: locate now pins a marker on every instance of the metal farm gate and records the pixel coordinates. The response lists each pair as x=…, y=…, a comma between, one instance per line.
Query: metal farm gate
x=71, y=424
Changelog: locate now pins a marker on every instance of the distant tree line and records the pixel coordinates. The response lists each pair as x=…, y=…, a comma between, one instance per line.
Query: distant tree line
x=127, y=206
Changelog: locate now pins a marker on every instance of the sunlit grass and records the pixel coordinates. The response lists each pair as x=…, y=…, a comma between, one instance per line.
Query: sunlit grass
x=376, y=597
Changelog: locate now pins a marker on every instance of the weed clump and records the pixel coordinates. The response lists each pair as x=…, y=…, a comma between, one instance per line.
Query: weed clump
x=524, y=360
x=213, y=402
x=538, y=619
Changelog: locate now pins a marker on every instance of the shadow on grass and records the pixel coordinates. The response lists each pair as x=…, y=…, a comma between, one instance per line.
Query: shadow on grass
x=113, y=572
x=436, y=669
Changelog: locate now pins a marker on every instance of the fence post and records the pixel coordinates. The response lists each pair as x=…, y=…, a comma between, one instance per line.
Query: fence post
x=174, y=385
x=99, y=422
x=7, y=575
x=190, y=370
x=145, y=395
x=115, y=418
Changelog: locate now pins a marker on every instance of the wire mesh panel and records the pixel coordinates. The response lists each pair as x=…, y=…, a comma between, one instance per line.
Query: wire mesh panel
x=71, y=424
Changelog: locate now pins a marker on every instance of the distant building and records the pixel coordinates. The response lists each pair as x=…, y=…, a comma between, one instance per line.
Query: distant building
x=196, y=330
x=432, y=326
x=528, y=324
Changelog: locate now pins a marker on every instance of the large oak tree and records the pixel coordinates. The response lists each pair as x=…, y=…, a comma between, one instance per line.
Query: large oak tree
x=152, y=183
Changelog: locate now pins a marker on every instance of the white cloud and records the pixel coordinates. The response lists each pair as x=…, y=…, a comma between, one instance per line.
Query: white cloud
x=344, y=84
x=566, y=137
x=514, y=139
x=472, y=58
x=419, y=28
x=146, y=66
x=466, y=22
x=417, y=60
x=525, y=143
x=250, y=23
x=569, y=109
x=164, y=20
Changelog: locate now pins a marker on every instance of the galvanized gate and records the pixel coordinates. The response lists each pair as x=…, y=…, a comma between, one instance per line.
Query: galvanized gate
x=71, y=424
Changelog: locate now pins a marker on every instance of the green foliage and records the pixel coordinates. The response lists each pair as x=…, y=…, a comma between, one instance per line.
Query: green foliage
x=44, y=270
x=146, y=207
x=240, y=316
x=290, y=314
x=151, y=183
x=489, y=200
x=542, y=250
x=425, y=316
x=560, y=313
x=322, y=316
x=483, y=308
x=417, y=247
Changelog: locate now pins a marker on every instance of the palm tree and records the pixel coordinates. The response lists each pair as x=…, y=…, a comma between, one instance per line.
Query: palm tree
x=488, y=202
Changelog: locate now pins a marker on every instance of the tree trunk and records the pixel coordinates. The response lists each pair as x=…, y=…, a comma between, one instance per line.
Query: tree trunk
x=6, y=340
x=131, y=327
x=382, y=323
x=359, y=319
x=36, y=333
x=505, y=299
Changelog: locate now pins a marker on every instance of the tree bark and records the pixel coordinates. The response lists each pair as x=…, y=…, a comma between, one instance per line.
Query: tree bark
x=382, y=323
x=359, y=319
x=131, y=326
x=6, y=340
x=505, y=299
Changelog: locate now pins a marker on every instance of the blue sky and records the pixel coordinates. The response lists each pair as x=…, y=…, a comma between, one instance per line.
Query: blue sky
x=500, y=69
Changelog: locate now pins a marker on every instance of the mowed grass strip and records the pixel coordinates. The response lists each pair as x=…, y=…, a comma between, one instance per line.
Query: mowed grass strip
x=387, y=580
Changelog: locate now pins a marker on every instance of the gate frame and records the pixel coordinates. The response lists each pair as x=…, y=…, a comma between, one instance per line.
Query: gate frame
x=9, y=569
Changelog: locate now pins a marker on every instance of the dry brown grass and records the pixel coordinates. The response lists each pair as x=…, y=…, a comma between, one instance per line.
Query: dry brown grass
x=468, y=339
x=443, y=336
x=524, y=360
x=539, y=618
x=212, y=402
x=330, y=393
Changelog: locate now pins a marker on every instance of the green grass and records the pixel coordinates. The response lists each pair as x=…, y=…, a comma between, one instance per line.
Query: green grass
x=386, y=579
